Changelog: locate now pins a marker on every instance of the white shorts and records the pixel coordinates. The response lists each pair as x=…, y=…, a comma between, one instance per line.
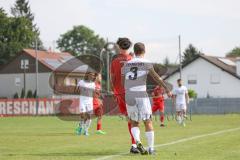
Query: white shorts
x=180, y=107
x=85, y=104
x=141, y=110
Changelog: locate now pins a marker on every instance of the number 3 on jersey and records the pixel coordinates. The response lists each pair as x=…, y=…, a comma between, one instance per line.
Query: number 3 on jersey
x=134, y=75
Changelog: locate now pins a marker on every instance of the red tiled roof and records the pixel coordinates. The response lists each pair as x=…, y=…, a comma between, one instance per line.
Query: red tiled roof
x=47, y=54
x=61, y=61
x=43, y=56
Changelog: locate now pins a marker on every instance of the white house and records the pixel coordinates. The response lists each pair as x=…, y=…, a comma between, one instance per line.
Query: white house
x=217, y=77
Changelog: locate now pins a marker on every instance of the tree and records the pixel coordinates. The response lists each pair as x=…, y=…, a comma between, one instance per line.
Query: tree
x=166, y=62
x=235, y=52
x=190, y=53
x=80, y=40
x=15, y=34
x=22, y=8
x=4, y=24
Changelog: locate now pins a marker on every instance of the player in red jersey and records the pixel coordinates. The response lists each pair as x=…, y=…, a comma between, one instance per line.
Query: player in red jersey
x=119, y=92
x=158, y=102
x=98, y=105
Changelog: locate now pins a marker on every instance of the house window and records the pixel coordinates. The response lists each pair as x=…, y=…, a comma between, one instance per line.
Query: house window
x=24, y=64
x=215, y=79
x=192, y=79
x=70, y=81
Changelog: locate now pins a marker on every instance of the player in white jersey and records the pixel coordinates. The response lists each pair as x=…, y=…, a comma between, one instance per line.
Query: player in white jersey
x=181, y=99
x=86, y=88
x=138, y=104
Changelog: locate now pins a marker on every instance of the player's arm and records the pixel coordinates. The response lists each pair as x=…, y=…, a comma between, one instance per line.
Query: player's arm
x=122, y=78
x=77, y=89
x=187, y=97
x=112, y=81
x=174, y=99
x=159, y=80
x=112, y=77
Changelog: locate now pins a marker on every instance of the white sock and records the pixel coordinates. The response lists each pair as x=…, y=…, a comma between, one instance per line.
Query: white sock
x=179, y=119
x=87, y=124
x=136, y=134
x=134, y=145
x=150, y=139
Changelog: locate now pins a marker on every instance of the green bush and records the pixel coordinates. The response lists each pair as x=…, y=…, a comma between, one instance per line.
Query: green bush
x=29, y=94
x=192, y=94
x=15, y=96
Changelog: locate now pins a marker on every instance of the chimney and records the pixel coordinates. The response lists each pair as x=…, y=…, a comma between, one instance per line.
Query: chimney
x=238, y=66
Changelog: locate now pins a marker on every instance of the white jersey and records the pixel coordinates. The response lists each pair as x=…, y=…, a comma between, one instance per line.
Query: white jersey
x=136, y=97
x=180, y=93
x=136, y=71
x=86, y=95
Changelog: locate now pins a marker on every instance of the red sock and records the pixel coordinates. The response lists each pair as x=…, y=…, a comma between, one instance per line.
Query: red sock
x=162, y=118
x=99, y=125
x=129, y=129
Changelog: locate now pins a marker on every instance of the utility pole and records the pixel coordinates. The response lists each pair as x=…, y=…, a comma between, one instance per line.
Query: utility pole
x=24, y=77
x=36, y=67
x=180, y=56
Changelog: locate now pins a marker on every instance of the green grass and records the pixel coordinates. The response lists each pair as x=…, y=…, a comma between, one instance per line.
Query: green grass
x=24, y=138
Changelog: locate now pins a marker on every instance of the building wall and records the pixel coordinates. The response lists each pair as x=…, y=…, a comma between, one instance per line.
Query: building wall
x=10, y=84
x=208, y=76
x=14, y=66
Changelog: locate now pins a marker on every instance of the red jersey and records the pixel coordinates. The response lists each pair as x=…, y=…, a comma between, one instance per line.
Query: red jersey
x=158, y=94
x=96, y=100
x=116, y=67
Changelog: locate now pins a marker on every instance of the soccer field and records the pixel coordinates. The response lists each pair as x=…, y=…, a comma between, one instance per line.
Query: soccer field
x=206, y=137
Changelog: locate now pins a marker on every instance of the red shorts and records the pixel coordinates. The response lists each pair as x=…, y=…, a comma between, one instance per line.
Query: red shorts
x=98, y=111
x=96, y=103
x=121, y=104
x=97, y=107
x=158, y=106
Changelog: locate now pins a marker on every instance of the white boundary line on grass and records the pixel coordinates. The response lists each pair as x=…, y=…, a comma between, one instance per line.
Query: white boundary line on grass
x=176, y=142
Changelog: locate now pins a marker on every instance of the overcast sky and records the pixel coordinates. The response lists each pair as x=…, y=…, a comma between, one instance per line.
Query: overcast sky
x=213, y=26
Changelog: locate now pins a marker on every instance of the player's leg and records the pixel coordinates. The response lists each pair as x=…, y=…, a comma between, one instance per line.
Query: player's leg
x=135, y=130
x=88, y=120
x=179, y=117
x=81, y=124
x=99, y=113
x=82, y=111
x=155, y=107
x=145, y=114
x=162, y=119
x=178, y=114
x=185, y=112
x=136, y=134
x=183, y=115
x=161, y=109
x=122, y=107
x=149, y=132
x=87, y=123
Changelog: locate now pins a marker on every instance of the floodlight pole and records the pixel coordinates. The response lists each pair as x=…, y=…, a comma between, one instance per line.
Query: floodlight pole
x=108, y=62
x=180, y=56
